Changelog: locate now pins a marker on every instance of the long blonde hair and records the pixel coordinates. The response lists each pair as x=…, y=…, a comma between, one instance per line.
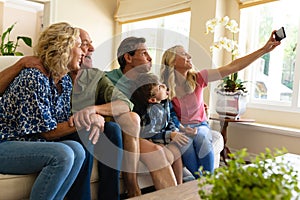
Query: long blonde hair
x=54, y=48
x=167, y=72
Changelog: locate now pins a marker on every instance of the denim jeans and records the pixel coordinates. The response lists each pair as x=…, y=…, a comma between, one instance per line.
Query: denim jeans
x=199, y=151
x=58, y=164
x=81, y=189
x=108, y=152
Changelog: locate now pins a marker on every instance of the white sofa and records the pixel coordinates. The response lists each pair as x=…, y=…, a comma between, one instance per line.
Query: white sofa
x=16, y=187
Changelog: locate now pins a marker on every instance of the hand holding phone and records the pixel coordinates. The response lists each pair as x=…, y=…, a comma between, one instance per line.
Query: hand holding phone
x=280, y=34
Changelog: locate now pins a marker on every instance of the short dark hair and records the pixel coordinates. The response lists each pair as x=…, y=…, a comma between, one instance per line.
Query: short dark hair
x=145, y=82
x=128, y=45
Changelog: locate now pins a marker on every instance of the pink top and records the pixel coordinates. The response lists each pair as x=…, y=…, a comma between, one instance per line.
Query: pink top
x=190, y=108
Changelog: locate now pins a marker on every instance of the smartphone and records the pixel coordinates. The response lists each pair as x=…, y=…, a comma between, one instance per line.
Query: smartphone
x=280, y=34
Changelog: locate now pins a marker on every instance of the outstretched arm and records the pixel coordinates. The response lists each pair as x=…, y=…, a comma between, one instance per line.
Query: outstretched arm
x=8, y=74
x=243, y=62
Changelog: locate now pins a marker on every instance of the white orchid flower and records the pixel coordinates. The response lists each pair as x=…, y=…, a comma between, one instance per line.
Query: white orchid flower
x=229, y=45
x=224, y=20
x=232, y=26
x=235, y=53
x=211, y=25
x=215, y=46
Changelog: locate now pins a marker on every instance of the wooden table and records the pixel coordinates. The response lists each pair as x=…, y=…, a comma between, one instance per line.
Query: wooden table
x=189, y=190
x=186, y=191
x=223, y=129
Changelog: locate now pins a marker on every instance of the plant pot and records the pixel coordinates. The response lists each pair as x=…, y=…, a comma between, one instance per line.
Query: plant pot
x=231, y=104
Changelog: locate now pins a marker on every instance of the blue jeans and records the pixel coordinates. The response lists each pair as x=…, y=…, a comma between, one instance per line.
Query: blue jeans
x=199, y=151
x=58, y=164
x=81, y=189
x=108, y=152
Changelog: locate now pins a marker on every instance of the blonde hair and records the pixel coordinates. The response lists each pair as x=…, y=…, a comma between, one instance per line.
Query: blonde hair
x=167, y=72
x=54, y=48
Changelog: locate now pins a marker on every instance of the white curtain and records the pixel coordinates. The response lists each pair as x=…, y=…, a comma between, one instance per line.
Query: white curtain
x=132, y=10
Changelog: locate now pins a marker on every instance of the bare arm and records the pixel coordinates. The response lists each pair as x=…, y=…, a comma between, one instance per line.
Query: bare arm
x=8, y=74
x=62, y=129
x=243, y=62
x=114, y=108
x=91, y=118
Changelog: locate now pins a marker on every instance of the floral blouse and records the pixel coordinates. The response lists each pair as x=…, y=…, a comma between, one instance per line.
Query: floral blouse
x=32, y=105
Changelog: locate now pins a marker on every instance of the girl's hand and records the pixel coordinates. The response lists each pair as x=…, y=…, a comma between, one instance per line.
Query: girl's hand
x=179, y=138
x=271, y=43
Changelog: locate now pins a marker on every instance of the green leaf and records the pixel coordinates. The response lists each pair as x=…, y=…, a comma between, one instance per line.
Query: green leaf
x=266, y=178
x=8, y=47
x=26, y=40
x=18, y=54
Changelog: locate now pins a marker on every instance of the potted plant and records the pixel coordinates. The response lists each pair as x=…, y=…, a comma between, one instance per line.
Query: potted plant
x=268, y=176
x=9, y=47
x=231, y=92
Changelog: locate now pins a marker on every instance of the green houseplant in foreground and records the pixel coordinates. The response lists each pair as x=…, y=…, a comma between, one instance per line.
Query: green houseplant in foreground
x=267, y=177
x=9, y=47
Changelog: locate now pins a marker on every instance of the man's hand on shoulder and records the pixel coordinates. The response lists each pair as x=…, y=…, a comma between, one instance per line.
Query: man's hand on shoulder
x=32, y=62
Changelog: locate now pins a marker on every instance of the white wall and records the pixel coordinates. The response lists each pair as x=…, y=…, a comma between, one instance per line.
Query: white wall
x=256, y=137
x=96, y=17
x=26, y=25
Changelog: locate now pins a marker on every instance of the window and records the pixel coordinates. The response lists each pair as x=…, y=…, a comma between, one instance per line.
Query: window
x=161, y=33
x=274, y=78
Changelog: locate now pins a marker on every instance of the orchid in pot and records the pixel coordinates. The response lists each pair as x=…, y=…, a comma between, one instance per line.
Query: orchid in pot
x=231, y=88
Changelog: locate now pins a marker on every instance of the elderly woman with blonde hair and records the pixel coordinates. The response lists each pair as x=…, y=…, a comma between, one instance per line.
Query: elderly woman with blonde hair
x=34, y=114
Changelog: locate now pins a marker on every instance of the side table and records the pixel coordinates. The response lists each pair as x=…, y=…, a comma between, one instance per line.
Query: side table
x=223, y=129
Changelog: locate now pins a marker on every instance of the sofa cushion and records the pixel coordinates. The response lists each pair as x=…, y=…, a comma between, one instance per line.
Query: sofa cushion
x=16, y=186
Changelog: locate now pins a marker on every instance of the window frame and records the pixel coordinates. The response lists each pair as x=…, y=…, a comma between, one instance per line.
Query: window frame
x=279, y=113
x=161, y=38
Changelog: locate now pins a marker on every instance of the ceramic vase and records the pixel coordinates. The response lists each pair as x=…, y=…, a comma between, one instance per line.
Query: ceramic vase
x=231, y=104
